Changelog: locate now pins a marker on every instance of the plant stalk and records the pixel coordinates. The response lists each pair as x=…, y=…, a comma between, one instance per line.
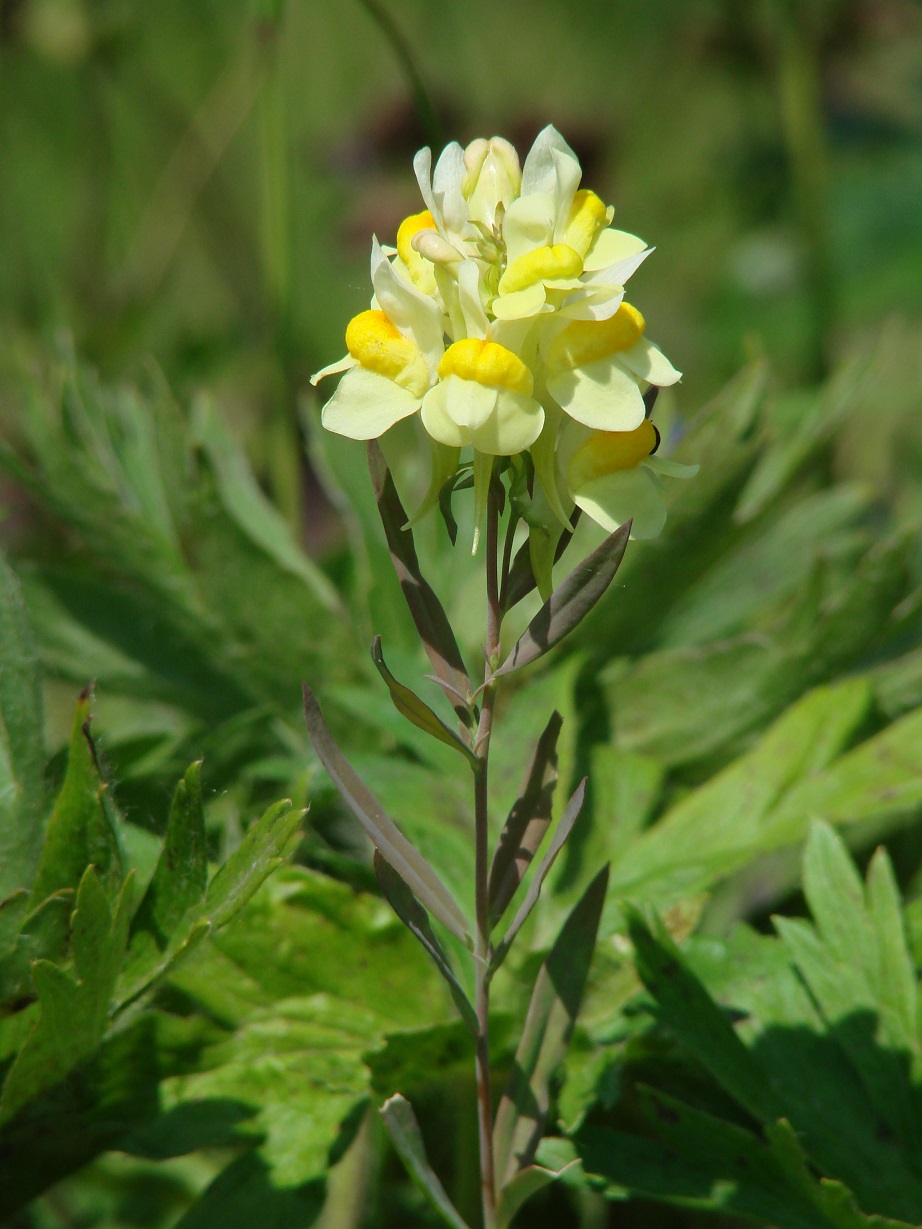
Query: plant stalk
x=482, y=949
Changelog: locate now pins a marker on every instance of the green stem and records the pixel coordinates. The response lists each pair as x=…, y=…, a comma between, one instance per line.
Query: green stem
x=482, y=949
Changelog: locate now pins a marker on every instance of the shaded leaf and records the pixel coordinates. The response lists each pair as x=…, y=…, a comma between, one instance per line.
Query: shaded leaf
x=685, y=1006
x=412, y=867
x=527, y=823
x=570, y=602
x=555, y=1003
x=405, y=1135
x=409, y=705
x=426, y=609
x=415, y=918
x=561, y=832
x=527, y=1182
x=75, y=1006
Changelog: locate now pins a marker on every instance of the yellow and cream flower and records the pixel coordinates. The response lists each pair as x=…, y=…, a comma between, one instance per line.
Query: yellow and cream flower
x=394, y=350
x=596, y=369
x=614, y=476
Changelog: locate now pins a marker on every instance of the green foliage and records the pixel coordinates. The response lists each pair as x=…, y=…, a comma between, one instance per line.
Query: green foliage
x=781, y=1078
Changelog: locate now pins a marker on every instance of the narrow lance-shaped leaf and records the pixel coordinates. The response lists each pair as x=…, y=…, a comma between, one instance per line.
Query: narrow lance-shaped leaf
x=570, y=602
x=416, y=919
x=527, y=823
x=409, y=705
x=563, y=830
x=407, y=1139
x=409, y=863
x=428, y=615
x=555, y=1004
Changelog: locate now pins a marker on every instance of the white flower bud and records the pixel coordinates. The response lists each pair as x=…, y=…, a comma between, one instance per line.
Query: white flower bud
x=493, y=178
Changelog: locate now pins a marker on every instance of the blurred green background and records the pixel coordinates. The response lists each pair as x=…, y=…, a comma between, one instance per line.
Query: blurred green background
x=198, y=182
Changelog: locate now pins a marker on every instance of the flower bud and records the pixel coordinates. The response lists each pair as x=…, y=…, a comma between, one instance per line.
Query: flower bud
x=493, y=178
x=431, y=245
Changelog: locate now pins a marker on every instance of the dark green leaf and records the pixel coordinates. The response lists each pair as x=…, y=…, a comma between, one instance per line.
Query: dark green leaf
x=75, y=1006
x=412, y=867
x=555, y=1003
x=685, y=1006
x=409, y=705
x=527, y=823
x=430, y=619
x=570, y=602
x=405, y=1135
x=415, y=918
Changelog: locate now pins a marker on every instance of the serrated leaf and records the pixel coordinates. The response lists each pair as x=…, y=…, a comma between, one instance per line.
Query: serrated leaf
x=409, y=705
x=426, y=609
x=407, y=1139
x=394, y=846
x=684, y=1005
x=80, y=831
x=415, y=918
x=527, y=822
x=570, y=602
x=21, y=749
x=265, y=846
x=562, y=831
x=245, y=1194
x=552, y=1013
x=181, y=874
x=75, y=1006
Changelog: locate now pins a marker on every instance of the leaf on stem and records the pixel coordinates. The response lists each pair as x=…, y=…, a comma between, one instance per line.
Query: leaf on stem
x=426, y=609
x=570, y=602
x=407, y=1139
x=416, y=919
x=409, y=863
x=555, y=1004
x=563, y=830
x=527, y=823
x=409, y=705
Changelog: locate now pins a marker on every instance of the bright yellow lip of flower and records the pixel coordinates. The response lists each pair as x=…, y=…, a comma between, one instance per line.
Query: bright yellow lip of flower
x=588, y=217
x=487, y=363
x=419, y=269
x=378, y=345
x=606, y=452
x=543, y=264
x=586, y=341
